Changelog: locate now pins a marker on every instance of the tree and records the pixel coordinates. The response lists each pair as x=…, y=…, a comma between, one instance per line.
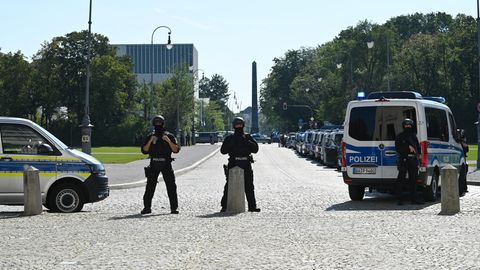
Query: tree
x=15, y=92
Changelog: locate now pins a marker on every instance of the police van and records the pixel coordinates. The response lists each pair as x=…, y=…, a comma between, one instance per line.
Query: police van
x=68, y=178
x=369, y=158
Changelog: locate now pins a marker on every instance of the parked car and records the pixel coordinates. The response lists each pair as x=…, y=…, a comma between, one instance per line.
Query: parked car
x=261, y=138
x=207, y=137
x=333, y=149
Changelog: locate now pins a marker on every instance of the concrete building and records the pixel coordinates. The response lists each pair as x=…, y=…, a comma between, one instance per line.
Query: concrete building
x=162, y=60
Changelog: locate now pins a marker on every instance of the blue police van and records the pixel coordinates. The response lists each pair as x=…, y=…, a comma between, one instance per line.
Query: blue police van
x=369, y=158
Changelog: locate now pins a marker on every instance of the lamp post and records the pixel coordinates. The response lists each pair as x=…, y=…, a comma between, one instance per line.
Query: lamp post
x=370, y=45
x=193, y=114
x=169, y=46
x=86, y=125
x=478, y=118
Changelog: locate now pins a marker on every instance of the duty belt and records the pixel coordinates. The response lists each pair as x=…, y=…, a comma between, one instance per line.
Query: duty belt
x=159, y=159
x=241, y=158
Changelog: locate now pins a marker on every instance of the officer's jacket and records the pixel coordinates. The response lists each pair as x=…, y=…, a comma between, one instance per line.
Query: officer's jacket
x=403, y=141
x=160, y=149
x=239, y=146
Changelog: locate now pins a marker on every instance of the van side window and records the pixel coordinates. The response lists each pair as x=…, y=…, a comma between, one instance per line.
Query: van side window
x=437, y=125
x=20, y=139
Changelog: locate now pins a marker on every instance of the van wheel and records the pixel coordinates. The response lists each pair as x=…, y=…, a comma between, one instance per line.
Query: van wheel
x=356, y=192
x=431, y=191
x=65, y=198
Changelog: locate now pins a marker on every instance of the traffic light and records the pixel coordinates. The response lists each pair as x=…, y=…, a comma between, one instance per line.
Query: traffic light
x=285, y=106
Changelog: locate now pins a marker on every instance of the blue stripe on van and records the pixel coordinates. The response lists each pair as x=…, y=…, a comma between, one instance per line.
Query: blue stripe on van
x=14, y=166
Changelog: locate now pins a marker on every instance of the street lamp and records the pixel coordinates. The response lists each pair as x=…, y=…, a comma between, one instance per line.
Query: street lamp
x=169, y=46
x=478, y=47
x=370, y=45
x=193, y=115
x=86, y=125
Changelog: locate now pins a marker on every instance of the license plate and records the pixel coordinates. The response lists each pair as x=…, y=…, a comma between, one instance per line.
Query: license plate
x=371, y=170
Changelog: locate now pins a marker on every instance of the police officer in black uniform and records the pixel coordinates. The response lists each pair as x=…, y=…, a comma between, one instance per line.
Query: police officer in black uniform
x=240, y=146
x=160, y=145
x=409, y=154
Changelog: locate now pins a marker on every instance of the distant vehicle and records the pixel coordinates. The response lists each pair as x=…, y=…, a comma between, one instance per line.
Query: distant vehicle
x=207, y=137
x=261, y=138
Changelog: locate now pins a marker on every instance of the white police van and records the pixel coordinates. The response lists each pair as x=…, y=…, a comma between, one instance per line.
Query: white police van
x=369, y=157
x=68, y=178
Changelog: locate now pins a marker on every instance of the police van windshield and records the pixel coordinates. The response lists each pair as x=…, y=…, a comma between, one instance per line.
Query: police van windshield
x=374, y=123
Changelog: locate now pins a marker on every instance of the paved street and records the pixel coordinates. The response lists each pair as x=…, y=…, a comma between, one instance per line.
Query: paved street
x=307, y=222
x=122, y=174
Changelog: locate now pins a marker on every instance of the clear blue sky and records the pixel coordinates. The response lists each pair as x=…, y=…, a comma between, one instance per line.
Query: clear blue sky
x=228, y=34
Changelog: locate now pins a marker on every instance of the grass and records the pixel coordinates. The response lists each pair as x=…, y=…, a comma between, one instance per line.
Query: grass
x=116, y=149
x=118, y=158
x=117, y=154
x=473, y=152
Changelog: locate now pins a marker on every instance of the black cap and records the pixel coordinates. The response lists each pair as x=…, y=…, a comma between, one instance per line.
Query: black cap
x=238, y=120
x=158, y=120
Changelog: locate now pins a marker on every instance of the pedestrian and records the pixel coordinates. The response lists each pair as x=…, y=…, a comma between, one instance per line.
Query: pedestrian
x=160, y=145
x=409, y=154
x=240, y=146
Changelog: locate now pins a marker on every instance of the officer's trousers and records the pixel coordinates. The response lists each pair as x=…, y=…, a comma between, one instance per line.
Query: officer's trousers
x=249, y=188
x=407, y=165
x=168, y=176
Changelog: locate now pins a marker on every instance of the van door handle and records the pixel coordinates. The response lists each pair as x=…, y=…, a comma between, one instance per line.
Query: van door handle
x=6, y=159
x=390, y=153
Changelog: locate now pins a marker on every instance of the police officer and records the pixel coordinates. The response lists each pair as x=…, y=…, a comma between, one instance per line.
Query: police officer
x=239, y=146
x=160, y=145
x=409, y=153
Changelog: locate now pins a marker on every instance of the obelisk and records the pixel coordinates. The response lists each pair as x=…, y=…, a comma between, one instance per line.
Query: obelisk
x=254, y=127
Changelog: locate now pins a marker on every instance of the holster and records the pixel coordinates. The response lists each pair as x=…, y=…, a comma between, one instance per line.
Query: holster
x=148, y=171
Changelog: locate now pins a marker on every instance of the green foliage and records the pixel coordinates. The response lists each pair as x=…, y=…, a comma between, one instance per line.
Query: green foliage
x=433, y=54
x=15, y=90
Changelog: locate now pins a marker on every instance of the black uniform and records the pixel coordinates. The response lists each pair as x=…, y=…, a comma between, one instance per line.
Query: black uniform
x=160, y=161
x=239, y=147
x=407, y=162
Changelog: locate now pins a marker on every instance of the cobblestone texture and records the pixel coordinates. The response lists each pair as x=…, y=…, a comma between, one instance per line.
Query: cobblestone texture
x=307, y=222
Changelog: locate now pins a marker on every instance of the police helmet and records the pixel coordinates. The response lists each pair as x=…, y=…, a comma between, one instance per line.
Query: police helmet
x=407, y=122
x=238, y=120
x=158, y=120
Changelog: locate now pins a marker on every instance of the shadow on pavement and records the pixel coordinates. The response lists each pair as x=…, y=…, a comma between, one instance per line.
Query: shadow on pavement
x=381, y=202
x=219, y=215
x=137, y=216
x=5, y=215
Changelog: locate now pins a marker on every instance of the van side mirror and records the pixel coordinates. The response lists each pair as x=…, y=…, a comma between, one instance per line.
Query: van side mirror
x=45, y=149
x=460, y=135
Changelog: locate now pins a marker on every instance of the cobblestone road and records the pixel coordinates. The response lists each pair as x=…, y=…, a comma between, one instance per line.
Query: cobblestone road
x=307, y=222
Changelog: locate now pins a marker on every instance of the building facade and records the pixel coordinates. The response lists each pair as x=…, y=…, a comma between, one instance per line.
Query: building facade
x=158, y=59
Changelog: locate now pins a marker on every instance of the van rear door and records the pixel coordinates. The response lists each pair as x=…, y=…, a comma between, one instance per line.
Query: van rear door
x=372, y=129
x=391, y=125
x=363, y=155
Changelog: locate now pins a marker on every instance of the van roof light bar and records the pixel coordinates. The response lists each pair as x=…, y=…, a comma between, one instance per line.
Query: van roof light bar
x=384, y=96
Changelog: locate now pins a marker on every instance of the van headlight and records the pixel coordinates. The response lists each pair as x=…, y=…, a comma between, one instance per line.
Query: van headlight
x=96, y=169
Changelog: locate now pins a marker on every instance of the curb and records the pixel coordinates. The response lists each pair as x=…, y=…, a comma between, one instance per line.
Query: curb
x=179, y=172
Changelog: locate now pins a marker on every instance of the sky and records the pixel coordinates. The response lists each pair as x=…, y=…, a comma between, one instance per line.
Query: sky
x=228, y=34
